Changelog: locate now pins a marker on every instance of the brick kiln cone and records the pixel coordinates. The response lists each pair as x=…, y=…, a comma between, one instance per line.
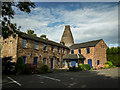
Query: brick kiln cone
x=67, y=38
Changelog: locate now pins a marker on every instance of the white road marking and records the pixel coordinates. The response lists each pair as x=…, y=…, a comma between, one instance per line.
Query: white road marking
x=14, y=81
x=50, y=78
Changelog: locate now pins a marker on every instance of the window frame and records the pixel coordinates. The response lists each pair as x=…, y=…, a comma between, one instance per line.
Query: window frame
x=72, y=51
x=67, y=51
x=52, y=48
x=45, y=47
x=36, y=44
x=44, y=62
x=24, y=43
x=58, y=61
x=58, y=49
x=88, y=50
x=79, y=51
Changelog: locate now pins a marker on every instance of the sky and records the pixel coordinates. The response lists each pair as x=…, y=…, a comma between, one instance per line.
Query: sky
x=88, y=20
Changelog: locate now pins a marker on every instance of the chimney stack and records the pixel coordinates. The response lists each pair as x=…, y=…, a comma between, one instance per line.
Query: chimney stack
x=67, y=38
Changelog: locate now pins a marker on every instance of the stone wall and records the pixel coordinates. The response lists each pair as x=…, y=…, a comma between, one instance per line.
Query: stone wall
x=40, y=53
x=9, y=47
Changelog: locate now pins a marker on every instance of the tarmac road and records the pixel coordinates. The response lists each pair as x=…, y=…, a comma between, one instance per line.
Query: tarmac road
x=104, y=78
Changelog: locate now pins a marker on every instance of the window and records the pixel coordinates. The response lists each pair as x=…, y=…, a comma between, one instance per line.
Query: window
x=102, y=46
x=67, y=51
x=35, y=60
x=44, y=61
x=58, y=49
x=52, y=48
x=24, y=43
x=79, y=51
x=45, y=47
x=35, y=45
x=57, y=60
x=88, y=50
x=98, y=62
x=24, y=58
x=72, y=51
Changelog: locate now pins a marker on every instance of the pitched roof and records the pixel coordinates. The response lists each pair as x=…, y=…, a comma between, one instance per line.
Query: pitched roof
x=73, y=56
x=38, y=39
x=85, y=44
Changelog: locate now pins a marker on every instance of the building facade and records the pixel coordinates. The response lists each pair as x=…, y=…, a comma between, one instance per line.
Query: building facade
x=91, y=52
x=39, y=51
x=34, y=50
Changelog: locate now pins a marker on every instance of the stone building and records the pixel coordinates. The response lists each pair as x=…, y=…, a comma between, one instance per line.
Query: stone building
x=65, y=54
x=34, y=50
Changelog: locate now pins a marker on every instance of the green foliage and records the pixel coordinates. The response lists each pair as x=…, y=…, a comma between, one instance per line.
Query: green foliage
x=107, y=66
x=44, y=37
x=75, y=69
x=31, y=32
x=84, y=66
x=113, y=55
x=43, y=69
x=27, y=69
x=109, y=62
x=19, y=67
x=8, y=13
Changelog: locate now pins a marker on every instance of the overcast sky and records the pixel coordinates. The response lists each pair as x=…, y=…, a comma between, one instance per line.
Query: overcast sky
x=88, y=21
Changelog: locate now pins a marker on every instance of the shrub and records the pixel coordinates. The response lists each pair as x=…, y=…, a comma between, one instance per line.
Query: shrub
x=107, y=66
x=80, y=65
x=27, y=69
x=84, y=66
x=72, y=68
x=75, y=68
x=43, y=69
x=109, y=62
x=19, y=67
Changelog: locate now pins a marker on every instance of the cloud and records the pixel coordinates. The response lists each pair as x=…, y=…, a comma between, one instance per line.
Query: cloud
x=86, y=23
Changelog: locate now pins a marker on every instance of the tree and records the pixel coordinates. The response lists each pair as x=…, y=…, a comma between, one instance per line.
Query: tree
x=113, y=55
x=31, y=32
x=43, y=37
x=19, y=67
x=8, y=13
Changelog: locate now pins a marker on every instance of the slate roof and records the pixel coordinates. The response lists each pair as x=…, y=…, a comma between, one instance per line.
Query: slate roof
x=38, y=39
x=85, y=44
x=73, y=56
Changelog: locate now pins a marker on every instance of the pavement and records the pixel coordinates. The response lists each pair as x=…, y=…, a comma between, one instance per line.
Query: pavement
x=104, y=78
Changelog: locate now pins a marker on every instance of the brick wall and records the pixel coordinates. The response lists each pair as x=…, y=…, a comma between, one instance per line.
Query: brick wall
x=96, y=53
x=100, y=52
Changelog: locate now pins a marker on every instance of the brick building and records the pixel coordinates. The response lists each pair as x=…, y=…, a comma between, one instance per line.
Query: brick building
x=40, y=51
x=91, y=52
